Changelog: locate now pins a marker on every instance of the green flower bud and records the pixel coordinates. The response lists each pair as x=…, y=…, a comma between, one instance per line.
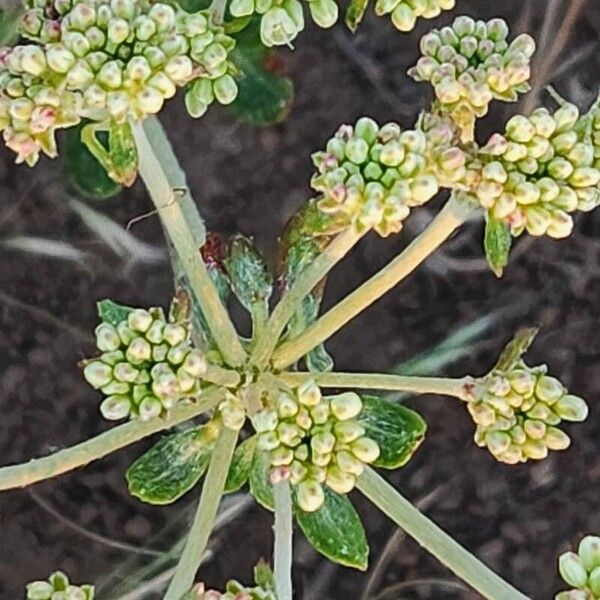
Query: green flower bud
x=115, y=408
x=309, y=393
x=324, y=12
x=346, y=406
x=340, y=481
x=571, y=408
x=572, y=570
x=594, y=582
x=39, y=590
x=241, y=8
x=97, y=374
x=310, y=495
x=589, y=552
x=225, y=89
x=149, y=408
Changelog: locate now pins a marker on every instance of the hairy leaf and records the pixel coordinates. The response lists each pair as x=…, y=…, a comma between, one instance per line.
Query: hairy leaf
x=260, y=486
x=398, y=430
x=249, y=275
x=515, y=349
x=239, y=471
x=172, y=467
x=355, y=13
x=264, y=95
x=111, y=312
x=86, y=174
x=336, y=531
x=497, y=242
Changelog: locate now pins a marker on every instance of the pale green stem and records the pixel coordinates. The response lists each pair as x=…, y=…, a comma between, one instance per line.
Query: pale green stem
x=435, y=540
x=459, y=388
x=282, y=555
x=217, y=10
x=306, y=282
x=443, y=225
x=154, y=170
x=198, y=536
x=25, y=474
x=220, y=376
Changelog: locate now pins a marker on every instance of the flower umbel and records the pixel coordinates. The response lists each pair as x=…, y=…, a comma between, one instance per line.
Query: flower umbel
x=58, y=587
x=404, y=13
x=517, y=412
x=371, y=176
x=538, y=172
x=581, y=570
x=470, y=63
x=315, y=440
x=147, y=365
x=106, y=60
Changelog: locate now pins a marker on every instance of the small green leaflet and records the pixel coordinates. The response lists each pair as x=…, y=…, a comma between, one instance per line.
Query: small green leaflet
x=355, y=13
x=86, y=174
x=249, y=275
x=113, y=313
x=260, y=486
x=239, y=471
x=336, y=531
x=264, y=96
x=397, y=430
x=515, y=349
x=496, y=243
x=172, y=467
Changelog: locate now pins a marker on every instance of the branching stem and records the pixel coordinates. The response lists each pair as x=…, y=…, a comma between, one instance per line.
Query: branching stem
x=443, y=225
x=154, y=170
x=106, y=443
x=282, y=554
x=458, y=388
x=197, y=539
x=291, y=300
x=434, y=539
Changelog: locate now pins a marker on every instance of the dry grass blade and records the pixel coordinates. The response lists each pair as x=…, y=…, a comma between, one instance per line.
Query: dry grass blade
x=44, y=247
x=116, y=237
x=96, y=537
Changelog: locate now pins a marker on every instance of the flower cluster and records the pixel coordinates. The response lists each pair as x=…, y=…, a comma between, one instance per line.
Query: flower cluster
x=581, y=570
x=518, y=412
x=405, y=13
x=233, y=591
x=538, y=172
x=371, y=176
x=315, y=440
x=147, y=365
x=106, y=59
x=58, y=587
x=471, y=62
x=282, y=20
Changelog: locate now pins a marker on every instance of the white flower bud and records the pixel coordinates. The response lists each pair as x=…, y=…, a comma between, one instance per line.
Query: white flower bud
x=97, y=374
x=310, y=495
x=340, y=481
x=345, y=406
x=589, y=552
x=149, y=408
x=115, y=408
x=571, y=408
x=572, y=570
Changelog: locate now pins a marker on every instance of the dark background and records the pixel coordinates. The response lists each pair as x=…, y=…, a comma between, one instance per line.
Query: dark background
x=250, y=179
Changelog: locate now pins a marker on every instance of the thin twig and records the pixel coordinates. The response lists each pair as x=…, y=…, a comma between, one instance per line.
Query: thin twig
x=96, y=537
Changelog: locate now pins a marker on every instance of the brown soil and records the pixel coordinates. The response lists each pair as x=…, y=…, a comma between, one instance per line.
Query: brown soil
x=248, y=179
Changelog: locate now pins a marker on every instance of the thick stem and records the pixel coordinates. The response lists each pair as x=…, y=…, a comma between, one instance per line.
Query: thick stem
x=197, y=539
x=16, y=476
x=459, y=388
x=155, y=171
x=443, y=225
x=291, y=300
x=282, y=555
x=435, y=540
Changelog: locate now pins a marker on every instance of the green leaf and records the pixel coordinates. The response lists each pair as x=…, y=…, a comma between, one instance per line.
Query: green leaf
x=515, y=349
x=496, y=243
x=260, y=486
x=86, y=174
x=264, y=96
x=111, y=312
x=9, y=25
x=239, y=471
x=263, y=575
x=336, y=531
x=249, y=275
x=398, y=430
x=123, y=153
x=172, y=467
x=355, y=13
